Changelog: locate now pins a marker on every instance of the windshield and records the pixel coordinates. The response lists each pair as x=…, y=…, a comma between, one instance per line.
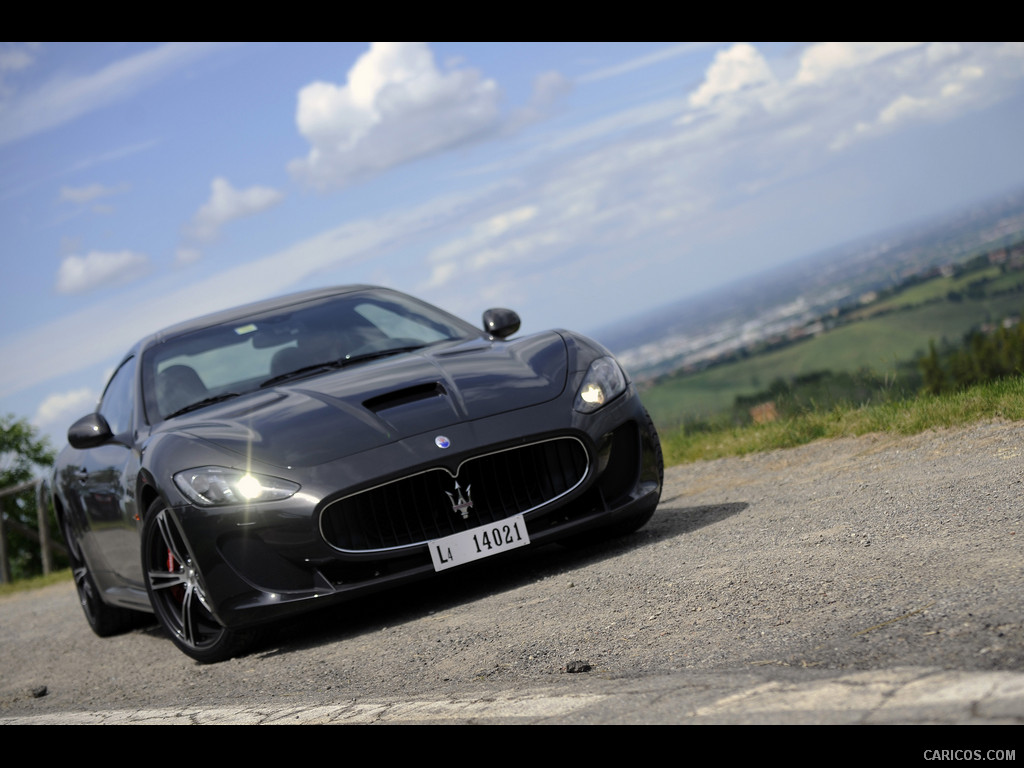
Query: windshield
x=209, y=365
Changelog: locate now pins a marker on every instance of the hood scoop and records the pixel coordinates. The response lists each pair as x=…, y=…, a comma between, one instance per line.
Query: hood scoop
x=404, y=396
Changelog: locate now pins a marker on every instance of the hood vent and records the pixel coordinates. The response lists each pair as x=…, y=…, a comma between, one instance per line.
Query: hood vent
x=404, y=396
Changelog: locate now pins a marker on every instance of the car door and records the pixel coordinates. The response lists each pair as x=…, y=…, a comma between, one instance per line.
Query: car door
x=106, y=477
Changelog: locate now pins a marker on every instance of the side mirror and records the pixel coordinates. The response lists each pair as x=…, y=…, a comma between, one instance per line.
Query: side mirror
x=89, y=431
x=501, y=322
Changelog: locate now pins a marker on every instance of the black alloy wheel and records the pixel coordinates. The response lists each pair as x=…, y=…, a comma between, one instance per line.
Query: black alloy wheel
x=176, y=590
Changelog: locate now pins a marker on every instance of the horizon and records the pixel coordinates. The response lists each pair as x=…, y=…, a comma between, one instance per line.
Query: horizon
x=580, y=184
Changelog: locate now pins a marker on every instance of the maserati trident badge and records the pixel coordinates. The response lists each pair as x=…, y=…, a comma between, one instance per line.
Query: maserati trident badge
x=442, y=442
x=461, y=503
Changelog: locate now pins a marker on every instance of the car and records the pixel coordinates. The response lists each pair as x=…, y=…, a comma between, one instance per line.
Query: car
x=301, y=451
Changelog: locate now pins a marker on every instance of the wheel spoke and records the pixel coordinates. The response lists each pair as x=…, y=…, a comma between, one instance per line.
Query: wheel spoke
x=79, y=572
x=168, y=535
x=189, y=627
x=166, y=579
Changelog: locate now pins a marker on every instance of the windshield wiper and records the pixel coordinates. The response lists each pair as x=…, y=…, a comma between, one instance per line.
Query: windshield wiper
x=380, y=353
x=310, y=370
x=306, y=370
x=203, y=403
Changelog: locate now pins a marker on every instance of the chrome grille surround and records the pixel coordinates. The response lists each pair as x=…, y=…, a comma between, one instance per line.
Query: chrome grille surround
x=412, y=510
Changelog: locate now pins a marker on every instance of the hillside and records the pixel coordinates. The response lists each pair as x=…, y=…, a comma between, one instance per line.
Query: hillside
x=883, y=337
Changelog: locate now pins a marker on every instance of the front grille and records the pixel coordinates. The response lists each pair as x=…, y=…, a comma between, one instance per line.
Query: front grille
x=421, y=507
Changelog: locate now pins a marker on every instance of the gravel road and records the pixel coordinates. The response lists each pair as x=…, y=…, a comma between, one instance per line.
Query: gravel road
x=873, y=579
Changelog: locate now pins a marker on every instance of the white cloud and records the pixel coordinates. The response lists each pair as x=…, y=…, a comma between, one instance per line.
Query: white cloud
x=61, y=409
x=396, y=106
x=935, y=83
x=843, y=93
x=478, y=248
x=227, y=203
x=78, y=274
x=734, y=69
x=822, y=61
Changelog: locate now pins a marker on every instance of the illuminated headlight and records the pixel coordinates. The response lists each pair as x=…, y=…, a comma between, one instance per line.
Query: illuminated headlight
x=603, y=383
x=214, y=486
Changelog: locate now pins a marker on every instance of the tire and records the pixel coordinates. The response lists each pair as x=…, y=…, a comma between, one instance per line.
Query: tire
x=178, y=595
x=105, y=620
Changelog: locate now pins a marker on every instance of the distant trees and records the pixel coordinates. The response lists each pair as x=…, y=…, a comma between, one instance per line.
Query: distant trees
x=982, y=357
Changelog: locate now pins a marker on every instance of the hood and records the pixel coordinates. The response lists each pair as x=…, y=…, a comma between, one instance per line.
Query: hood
x=314, y=420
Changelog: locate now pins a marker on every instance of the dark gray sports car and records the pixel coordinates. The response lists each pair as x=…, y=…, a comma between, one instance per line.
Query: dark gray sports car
x=292, y=453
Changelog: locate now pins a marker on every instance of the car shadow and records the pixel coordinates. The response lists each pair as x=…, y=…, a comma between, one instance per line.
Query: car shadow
x=450, y=589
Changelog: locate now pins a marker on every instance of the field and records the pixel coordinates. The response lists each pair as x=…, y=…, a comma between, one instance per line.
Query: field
x=884, y=338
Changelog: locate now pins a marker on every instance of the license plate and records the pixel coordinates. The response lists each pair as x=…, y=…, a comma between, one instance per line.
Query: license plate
x=476, y=543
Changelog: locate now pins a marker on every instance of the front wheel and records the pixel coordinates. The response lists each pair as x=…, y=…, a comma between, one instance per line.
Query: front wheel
x=176, y=590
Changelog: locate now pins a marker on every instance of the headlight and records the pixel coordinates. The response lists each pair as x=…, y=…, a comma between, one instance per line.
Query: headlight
x=603, y=383
x=216, y=486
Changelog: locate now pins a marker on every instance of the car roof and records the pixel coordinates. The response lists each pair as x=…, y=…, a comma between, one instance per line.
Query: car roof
x=253, y=308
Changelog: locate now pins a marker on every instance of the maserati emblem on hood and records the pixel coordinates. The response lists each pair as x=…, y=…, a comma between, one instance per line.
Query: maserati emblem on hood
x=461, y=504
x=442, y=442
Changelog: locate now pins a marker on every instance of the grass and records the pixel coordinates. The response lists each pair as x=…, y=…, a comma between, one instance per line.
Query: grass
x=997, y=400
x=36, y=582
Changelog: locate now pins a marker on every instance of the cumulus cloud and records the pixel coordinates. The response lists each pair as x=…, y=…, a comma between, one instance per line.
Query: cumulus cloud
x=79, y=274
x=845, y=92
x=395, y=106
x=932, y=84
x=227, y=203
x=733, y=70
x=61, y=409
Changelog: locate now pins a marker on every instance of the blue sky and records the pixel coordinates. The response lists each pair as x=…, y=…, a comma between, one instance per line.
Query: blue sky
x=578, y=183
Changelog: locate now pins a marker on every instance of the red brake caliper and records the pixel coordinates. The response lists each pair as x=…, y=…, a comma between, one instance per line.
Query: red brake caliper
x=178, y=591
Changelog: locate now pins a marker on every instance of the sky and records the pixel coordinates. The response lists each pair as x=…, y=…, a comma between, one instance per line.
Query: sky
x=142, y=184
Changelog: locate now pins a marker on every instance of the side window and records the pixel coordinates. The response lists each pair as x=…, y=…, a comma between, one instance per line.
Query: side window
x=118, y=403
